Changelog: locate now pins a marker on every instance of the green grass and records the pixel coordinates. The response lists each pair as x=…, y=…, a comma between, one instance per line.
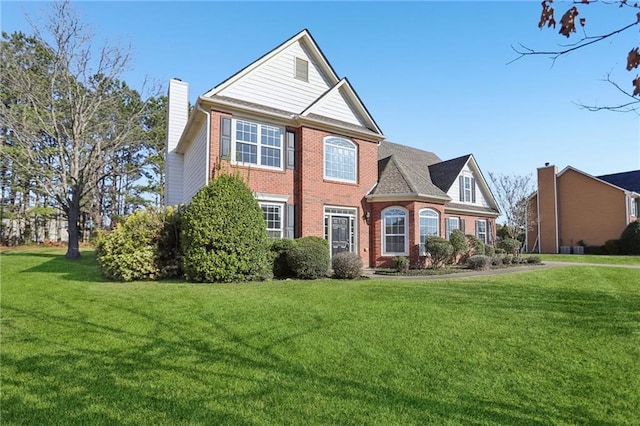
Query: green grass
x=592, y=258
x=552, y=346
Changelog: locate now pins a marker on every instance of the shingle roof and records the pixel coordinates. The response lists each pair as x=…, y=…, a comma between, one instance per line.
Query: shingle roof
x=405, y=170
x=625, y=180
x=444, y=174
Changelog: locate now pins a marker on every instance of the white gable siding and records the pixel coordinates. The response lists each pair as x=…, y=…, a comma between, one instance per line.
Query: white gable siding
x=454, y=191
x=335, y=106
x=273, y=83
x=177, y=115
x=195, y=165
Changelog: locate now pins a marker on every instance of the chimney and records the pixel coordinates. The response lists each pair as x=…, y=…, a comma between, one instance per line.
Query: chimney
x=177, y=116
x=548, y=209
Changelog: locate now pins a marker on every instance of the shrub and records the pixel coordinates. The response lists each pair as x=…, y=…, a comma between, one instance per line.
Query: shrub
x=597, y=250
x=224, y=235
x=509, y=245
x=346, y=265
x=476, y=246
x=507, y=259
x=401, y=263
x=144, y=246
x=309, y=258
x=489, y=250
x=612, y=247
x=630, y=239
x=279, y=250
x=459, y=242
x=439, y=249
x=534, y=260
x=479, y=261
x=496, y=260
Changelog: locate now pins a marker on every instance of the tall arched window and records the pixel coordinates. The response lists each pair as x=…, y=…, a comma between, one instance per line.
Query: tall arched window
x=395, y=240
x=429, y=226
x=340, y=159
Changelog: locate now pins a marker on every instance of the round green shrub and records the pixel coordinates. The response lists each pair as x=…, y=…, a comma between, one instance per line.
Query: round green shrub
x=476, y=246
x=224, y=236
x=510, y=245
x=401, y=264
x=479, y=262
x=346, y=265
x=489, y=250
x=534, y=260
x=459, y=242
x=630, y=239
x=439, y=249
x=506, y=259
x=144, y=246
x=496, y=260
x=309, y=258
x=279, y=250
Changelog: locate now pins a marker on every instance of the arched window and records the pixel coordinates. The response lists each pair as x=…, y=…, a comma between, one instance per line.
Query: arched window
x=340, y=159
x=429, y=226
x=395, y=240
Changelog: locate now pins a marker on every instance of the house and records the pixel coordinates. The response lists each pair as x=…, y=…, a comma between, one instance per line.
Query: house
x=572, y=207
x=317, y=162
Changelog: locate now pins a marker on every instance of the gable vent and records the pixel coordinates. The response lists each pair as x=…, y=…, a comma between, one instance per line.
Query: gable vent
x=301, y=71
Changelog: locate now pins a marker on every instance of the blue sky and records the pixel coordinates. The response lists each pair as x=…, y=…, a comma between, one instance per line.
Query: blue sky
x=434, y=75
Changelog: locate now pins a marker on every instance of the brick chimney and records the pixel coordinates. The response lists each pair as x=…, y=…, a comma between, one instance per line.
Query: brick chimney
x=548, y=209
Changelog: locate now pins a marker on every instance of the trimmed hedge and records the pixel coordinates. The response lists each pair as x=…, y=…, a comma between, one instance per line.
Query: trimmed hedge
x=279, y=250
x=510, y=245
x=309, y=258
x=346, y=265
x=630, y=239
x=476, y=246
x=439, y=249
x=224, y=236
x=479, y=262
x=401, y=263
x=459, y=242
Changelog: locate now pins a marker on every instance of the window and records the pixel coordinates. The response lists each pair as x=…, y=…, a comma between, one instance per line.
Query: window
x=634, y=207
x=273, y=218
x=452, y=223
x=394, y=232
x=301, y=71
x=258, y=144
x=429, y=226
x=467, y=189
x=481, y=230
x=339, y=159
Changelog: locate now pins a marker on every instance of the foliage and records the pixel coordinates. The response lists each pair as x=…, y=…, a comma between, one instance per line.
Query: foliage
x=568, y=27
x=224, y=235
x=489, y=250
x=496, y=260
x=439, y=249
x=309, y=258
x=510, y=245
x=630, y=239
x=511, y=193
x=479, y=261
x=476, y=246
x=143, y=247
x=401, y=263
x=279, y=249
x=596, y=250
x=612, y=247
x=346, y=265
x=534, y=260
x=459, y=243
x=506, y=259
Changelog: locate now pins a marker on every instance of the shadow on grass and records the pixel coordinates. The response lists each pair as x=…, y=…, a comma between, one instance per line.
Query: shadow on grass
x=84, y=269
x=205, y=372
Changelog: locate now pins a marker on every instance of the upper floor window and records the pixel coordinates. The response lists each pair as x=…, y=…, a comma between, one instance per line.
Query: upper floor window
x=258, y=144
x=340, y=159
x=395, y=240
x=467, y=189
x=429, y=227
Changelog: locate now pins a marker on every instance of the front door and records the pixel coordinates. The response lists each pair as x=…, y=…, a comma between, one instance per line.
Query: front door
x=339, y=234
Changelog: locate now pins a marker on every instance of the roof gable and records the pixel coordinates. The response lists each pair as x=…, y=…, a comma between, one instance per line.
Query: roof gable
x=445, y=173
x=598, y=179
x=625, y=180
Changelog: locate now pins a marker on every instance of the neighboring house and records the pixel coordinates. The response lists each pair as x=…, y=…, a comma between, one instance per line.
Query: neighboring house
x=316, y=161
x=573, y=207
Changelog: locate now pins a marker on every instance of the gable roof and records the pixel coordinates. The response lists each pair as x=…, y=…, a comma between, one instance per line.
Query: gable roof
x=625, y=180
x=444, y=174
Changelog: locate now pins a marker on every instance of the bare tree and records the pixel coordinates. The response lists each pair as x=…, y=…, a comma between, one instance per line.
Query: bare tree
x=67, y=109
x=569, y=24
x=511, y=192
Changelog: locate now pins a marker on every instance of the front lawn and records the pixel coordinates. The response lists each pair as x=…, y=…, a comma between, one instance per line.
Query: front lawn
x=592, y=258
x=552, y=346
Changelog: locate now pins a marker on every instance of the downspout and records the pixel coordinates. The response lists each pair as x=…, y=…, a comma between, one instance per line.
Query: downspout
x=208, y=143
x=627, y=205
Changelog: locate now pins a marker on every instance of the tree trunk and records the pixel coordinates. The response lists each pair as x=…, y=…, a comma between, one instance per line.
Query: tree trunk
x=73, y=214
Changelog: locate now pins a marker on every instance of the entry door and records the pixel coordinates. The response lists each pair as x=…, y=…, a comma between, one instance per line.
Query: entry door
x=339, y=234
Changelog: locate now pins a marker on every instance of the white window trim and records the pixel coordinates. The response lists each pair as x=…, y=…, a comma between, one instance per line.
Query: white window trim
x=324, y=160
x=423, y=251
x=486, y=230
x=353, y=215
x=448, y=226
x=383, y=232
x=234, y=142
x=282, y=219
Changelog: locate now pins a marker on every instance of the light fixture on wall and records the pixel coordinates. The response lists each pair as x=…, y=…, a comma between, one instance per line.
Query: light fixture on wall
x=367, y=217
